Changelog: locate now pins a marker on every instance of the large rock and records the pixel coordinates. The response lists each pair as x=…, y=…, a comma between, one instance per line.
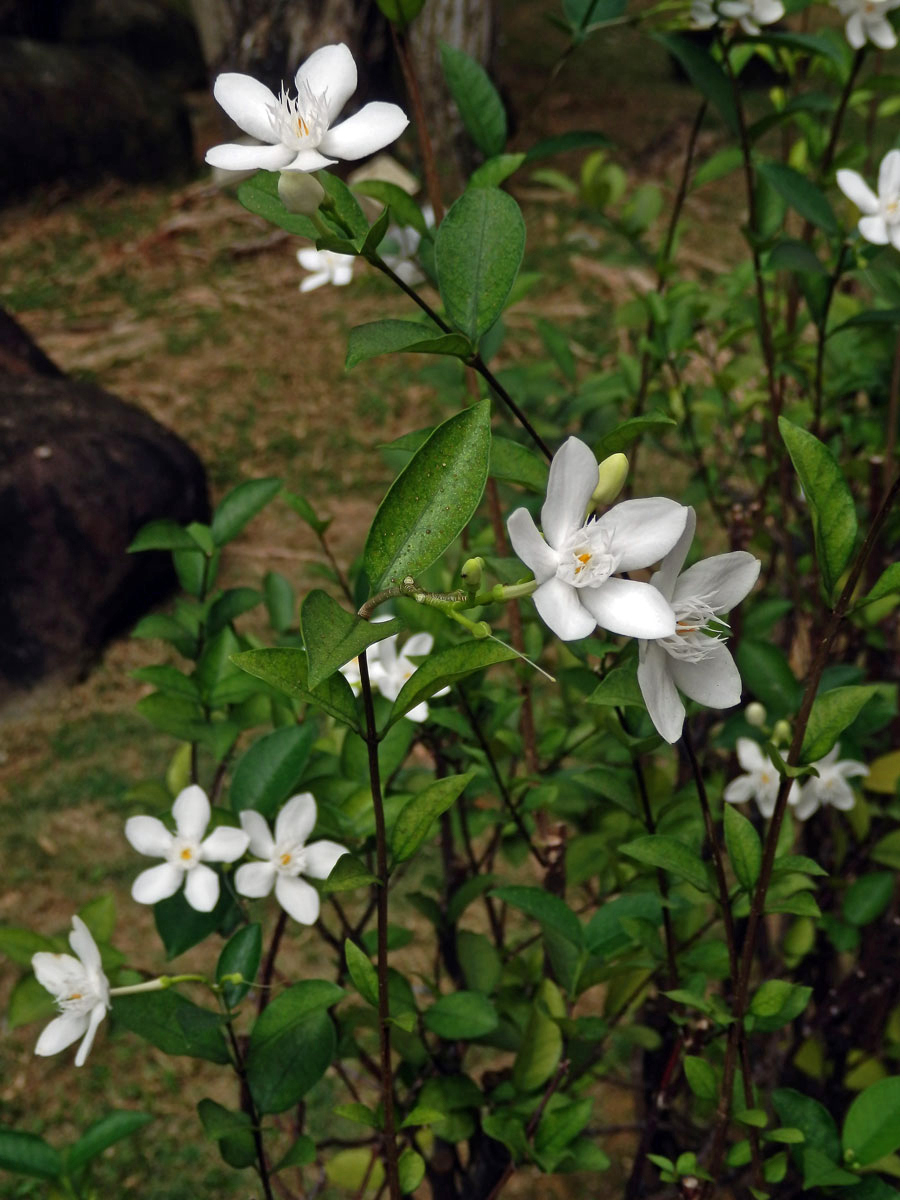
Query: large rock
x=80, y=472
x=82, y=113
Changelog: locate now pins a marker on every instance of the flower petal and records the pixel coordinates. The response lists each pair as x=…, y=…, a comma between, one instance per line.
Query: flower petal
x=254, y=879
x=231, y=156
x=573, y=478
x=874, y=230
x=740, y=790
x=52, y=970
x=629, y=607
x=856, y=34
x=149, y=836
x=418, y=645
x=806, y=804
x=750, y=755
x=320, y=857
x=561, y=610
x=848, y=768
x=191, y=812
x=894, y=236
x=722, y=581
x=225, y=844
x=98, y=1012
x=308, y=160
x=375, y=126
x=889, y=173
x=881, y=34
x=665, y=578
x=856, y=189
x=299, y=899
x=663, y=702
x=530, y=547
x=644, y=531
x=311, y=282
x=418, y=713
x=157, y=883
x=330, y=74
x=256, y=826
x=841, y=796
x=201, y=888
x=249, y=103
x=82, y=942
x=714, y=681
x=61, y=1032
x=296, y=819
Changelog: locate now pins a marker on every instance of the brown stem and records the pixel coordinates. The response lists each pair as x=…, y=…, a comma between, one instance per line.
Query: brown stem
x=389, y=1140
x=410, y=78
x=833, y=280
x=269, y=964
x=249, y=1107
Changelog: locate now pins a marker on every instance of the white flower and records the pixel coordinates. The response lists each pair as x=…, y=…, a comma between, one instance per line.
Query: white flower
x=81, y=992
x=880, y=223
x=694, y=659
x=406, y=238
x=575, y=561
x=867, y=22
x=831, y=787
x=285, y=857
x=761, y=782
x=186, y=851
x=297, y=131
x=328, y=267
x=395, y=667
x=750, y=14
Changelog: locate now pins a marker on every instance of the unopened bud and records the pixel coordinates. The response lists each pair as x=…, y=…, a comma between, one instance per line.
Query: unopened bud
x=755, y=714
x=612, y=473
x=300, y=192
x=472, y=572
x=781, y=732
x=481, y=630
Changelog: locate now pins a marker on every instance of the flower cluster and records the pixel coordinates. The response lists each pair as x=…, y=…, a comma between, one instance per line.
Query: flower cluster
x=577, y=565
x=761, y=781
x=750, y=14
x=867, y=22
x=880, y=222
x=390, y=668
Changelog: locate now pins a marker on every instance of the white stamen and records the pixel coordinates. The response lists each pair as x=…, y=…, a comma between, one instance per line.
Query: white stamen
x=585, y=559
x=694, y=638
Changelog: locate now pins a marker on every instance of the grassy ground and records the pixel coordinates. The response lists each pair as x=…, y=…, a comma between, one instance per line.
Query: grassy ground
x=183, y=303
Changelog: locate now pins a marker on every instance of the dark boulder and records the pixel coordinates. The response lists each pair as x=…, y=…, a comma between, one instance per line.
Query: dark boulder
x=80, y=472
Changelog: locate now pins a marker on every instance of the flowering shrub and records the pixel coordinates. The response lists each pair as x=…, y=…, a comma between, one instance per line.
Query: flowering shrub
x=508, y=811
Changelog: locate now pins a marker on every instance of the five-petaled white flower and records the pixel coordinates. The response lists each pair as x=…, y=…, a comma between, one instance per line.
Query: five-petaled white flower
x=867, y=22
x=831, y=787
x=80, y=989
x=575, y=561
x=297, y=131
x=186, y=852
x=880, y=223
x=327, y=266
x=750, y=14
x=694, y=659
x=395, y=667
x=406, y=239
x=761, y=782
x=285, y=857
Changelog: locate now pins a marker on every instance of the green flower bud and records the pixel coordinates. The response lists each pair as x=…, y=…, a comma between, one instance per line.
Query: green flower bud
x=472, y=572
x=781, y=732
x=481, y=630
x=612, y=473
x=300, y=192
x=755, y=714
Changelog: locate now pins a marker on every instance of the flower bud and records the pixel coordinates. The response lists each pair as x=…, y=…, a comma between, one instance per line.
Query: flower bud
x=300, y=192
x=781, y=732
x=481, y=630
x=472, y=572
x=612, y=473
x=755, y=714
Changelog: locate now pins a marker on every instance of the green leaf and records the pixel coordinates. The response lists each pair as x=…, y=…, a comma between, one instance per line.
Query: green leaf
x=619, y=688
x=801, y=194
x=403, y=208
x=478, y=250
x=432, y=499
x=493, y=172
x=173, y=1024
x=271, y=769
x=393, y=337
x=162, y=535
x=629, y=431
x=811, y=1118
x=872, y=1125
x=346, y=206
x=541, y=1047
x=819, y=1171
x=515, y=463
x=767, y=674
x=418, y=815
x=411, y=1170
x=362, y=972
x=285, y=669
x=552, y=912
x=867, y=897
x=701, y=1077
x=240, y=956
x=28, y=1154
x=790, y=254
x=563, y=143
x=29, y=1002
x=888, y=584
x=292, y=1044
x=180, y=926
x=776, y=1002
x=461, y=1016
x=744, y=847
x=259, y=195
x=832, y=712
x=479, y=961
x=102, y=1134
x=446, y=667
x=280, y=601
x=333, y=636
x=478, y=101
x=348, y=873
x=301, y=1154
x=20, y=944
x=705, y=74
x=660, y=850
x=828, y=497
x=240, y=506
x=219, y=1122
x=305, y=511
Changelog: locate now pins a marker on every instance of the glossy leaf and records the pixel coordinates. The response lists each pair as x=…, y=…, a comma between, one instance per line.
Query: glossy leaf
x=173, y=1024
x=259, y=195
x=743, y=846
x=660, y=850
x=292, y=1044
x=552, y=912
x=348, y=873
x=629, y=431
x=831, y=713
x=701, y=1077
x=28, y=1154
x=362, y=972
x=801, y=194
x=162, y=535
x=493, y=172
x=705, y=73
x=286, y=670
x=461, y=1016
x=478, y=101
x=102, y=1134
x=393, y=337
x=333, y=636
x=419, y=814
x=269, y=772
x=240, y=956
x=432, y=499
x=872, y=1125
x=410, y=1170
x=240, y=506
x=446, y=667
